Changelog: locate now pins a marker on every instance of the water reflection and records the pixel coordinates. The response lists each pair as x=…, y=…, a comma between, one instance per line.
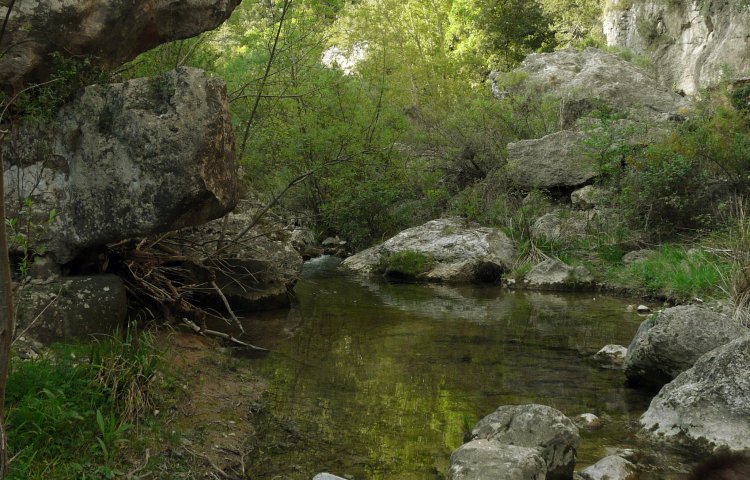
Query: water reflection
x=382, y=381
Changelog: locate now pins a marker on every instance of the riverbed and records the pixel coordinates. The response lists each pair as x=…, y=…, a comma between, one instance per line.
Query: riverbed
x=377, y=380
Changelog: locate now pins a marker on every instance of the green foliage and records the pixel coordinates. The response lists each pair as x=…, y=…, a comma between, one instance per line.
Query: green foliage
x=576, y=23
x=677, y=272
x=68, y=76
x=407, y=264
x=64, y=420
x=26, y=232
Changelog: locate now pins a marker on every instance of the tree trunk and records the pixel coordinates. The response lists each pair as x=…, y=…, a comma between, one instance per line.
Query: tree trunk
x=6, y=320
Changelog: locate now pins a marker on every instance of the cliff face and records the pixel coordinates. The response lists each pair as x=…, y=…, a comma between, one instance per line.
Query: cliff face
x=690, y=42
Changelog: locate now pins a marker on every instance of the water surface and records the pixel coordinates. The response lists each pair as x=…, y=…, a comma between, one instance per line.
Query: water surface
x=371, y=380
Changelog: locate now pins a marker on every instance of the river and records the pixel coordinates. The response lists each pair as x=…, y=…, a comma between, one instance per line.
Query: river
x=375, y=380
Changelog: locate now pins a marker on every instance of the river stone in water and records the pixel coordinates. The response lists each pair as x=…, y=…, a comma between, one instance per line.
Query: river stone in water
x=462, y=251
x=669, y=342
x=553, y=274
x=610, y=468
x=486, y=460
x=611, y=356
x=534, y=426
x=708, y=406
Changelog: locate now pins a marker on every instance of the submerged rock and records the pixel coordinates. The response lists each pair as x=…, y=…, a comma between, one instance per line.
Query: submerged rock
x=485, y=460
x=588, y=421
x=534, y=426
x=70, y=308
x=448, y=250
x=707, y=407
x=612, y=467
x=552, y=274
x=669, y=342
x=125, y=160
x=611, y=356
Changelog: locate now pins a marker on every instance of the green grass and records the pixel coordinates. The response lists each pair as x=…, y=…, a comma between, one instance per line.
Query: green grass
x=68, y=412
x=676, y=272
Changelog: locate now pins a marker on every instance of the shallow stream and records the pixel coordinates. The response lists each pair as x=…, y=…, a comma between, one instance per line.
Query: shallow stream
x=371, y=380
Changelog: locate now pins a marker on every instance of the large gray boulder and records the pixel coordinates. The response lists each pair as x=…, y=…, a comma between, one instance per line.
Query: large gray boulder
x=708, y=406
x=108, y=32
x=557, y=160
x=689, y=43
x=553, y=274
x=534, y=426
x=124, y=160
x=595, y=78
x=70, y=308
x=487, y=460
x=455, y=250
x=670, y=342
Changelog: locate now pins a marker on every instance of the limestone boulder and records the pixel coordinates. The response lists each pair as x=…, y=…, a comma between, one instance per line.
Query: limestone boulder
x=588, y=197
x=124, y=160
x=553, y=274
x=689, y=43
x=557, y=160
x=707, y=407
x=538, y=427
x=670, y=342
x=106, y=32
x=69, y=308
x=453, y=250
x=595, y=78
x=612, y=467
x=484, y=460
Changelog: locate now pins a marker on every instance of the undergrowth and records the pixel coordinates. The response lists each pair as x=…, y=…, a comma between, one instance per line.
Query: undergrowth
x=69, y=411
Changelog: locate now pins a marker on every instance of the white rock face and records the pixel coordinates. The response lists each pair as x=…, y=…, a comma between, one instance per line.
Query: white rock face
x=460, y=251
x=708, y=406
x=689, y=42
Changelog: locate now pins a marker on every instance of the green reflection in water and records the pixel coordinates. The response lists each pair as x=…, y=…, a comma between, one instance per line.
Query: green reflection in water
x=382, y=381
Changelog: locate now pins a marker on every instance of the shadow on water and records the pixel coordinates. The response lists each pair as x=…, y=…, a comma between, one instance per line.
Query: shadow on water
x=371, y=380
